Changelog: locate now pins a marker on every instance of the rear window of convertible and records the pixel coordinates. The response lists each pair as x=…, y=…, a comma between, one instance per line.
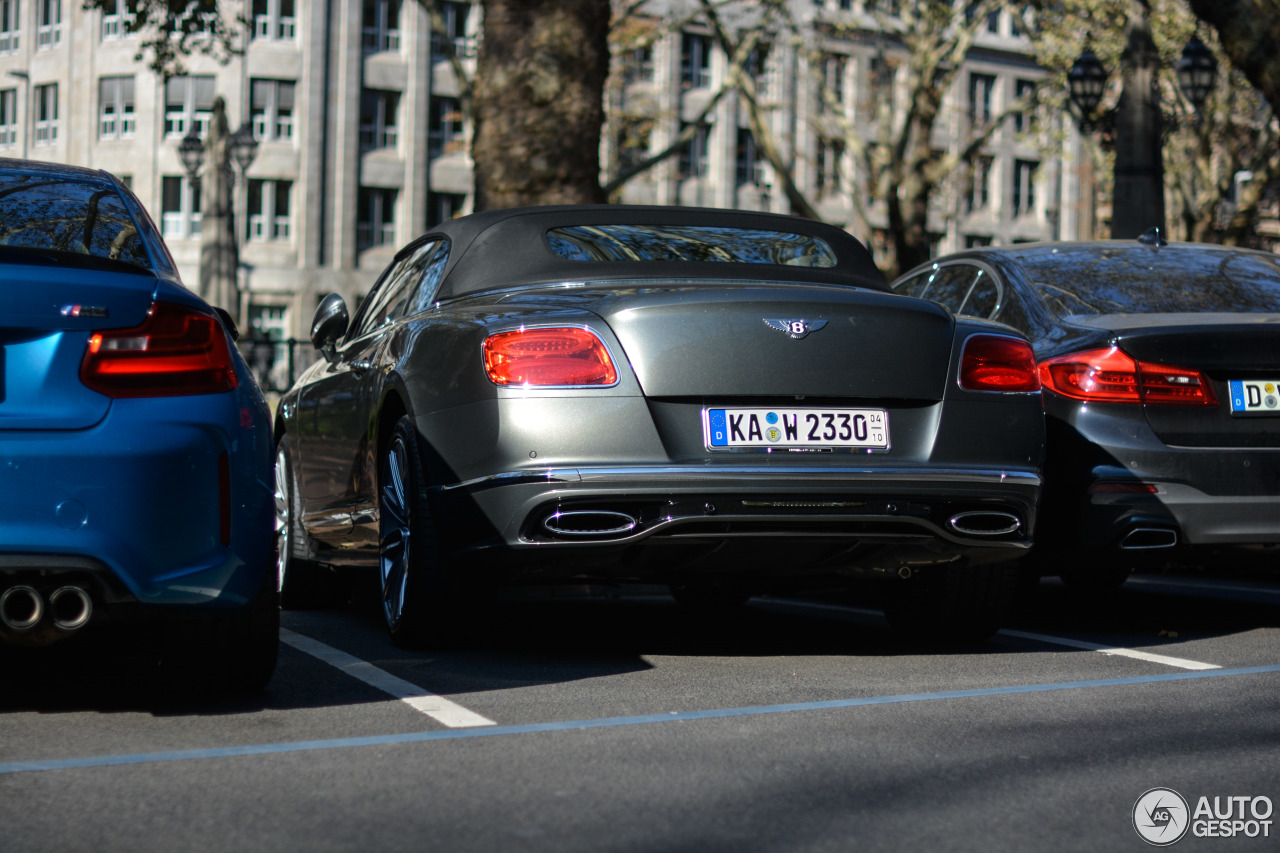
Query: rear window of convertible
x=697, y=243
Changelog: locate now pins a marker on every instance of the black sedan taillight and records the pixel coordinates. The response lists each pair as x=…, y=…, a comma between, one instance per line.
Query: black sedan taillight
x=177, y=351
x=1113, y=376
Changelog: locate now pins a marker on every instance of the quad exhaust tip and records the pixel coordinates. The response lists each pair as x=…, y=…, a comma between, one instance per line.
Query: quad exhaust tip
x=22, y=608
x=985, y=522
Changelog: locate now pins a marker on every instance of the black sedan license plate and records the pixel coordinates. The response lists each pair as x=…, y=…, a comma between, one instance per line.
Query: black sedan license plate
x=796, y=428
x=1255, y=396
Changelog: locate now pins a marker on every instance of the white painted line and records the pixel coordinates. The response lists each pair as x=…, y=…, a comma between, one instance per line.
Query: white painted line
x=438, y=708
x=1180, y=663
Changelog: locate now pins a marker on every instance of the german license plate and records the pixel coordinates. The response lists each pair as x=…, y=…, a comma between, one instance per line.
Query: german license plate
x=1255, y=396
x=797, y=428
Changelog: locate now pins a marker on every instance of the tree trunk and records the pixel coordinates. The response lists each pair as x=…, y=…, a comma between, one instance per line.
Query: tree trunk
x=539, y=102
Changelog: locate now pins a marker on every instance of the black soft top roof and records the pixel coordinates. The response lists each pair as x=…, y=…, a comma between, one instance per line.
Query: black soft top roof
x=506, y=248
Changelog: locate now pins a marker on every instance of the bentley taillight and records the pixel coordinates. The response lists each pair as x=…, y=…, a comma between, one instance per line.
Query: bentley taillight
x=998, y=363
x=178, y=350
x=1113, y=376
x=567, y=356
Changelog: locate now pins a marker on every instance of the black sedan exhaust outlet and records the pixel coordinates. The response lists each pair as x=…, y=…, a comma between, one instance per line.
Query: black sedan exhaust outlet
x=591, y=524
x=1149, y=538
x=985, y=522
x=21, y=608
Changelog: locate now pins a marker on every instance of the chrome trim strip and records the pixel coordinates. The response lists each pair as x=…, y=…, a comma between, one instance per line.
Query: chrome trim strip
x=729, y=474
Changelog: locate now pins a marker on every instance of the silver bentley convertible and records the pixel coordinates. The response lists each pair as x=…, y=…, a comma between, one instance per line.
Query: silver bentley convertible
x=727, y=403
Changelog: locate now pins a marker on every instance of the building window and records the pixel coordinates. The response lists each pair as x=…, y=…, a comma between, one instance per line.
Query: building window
x=454, y=18
x=271, y=109
x=632, y=138
x=115, y=24
x=881, y=75
x=974, y=241
x=748, y=168
x=8, y=118
x=993, y=23
x=115, y=107
x=1024, y=186
x=378, y=111
x=834, y=70
x=441, y=207
x=179, y=207
x=274, y=19
x=269, y=206
x=759, y=69
x=375, y=218
x=188, y=104
x=9, y=21
x=46, y=110
x=830, y=153
x=48, y=23
x=444, y=129
x=981, y=88
x=695, y=62
x=693, y=155
x=1022, y=89
x=980, y=191
x=637, y=65
x=381, y=25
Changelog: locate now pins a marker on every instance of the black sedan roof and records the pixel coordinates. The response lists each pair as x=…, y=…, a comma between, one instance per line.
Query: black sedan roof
x=504, y=248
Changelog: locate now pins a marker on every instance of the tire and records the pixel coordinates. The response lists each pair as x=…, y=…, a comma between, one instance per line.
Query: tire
x=417, y=592
x=301, y=581
x=953, y=605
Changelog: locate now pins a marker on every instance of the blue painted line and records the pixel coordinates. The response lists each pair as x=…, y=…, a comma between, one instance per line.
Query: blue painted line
x=607, y=722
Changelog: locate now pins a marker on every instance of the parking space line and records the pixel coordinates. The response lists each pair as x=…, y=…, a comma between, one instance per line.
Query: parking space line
x=608, y=722
x=436, y=707
x=1180, y=663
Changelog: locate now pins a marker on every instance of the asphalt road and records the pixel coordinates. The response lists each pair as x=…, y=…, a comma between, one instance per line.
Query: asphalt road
x=628, y=724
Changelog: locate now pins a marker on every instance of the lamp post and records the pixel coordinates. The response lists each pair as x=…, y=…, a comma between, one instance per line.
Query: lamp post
x=208, y=163
x=1138, y=193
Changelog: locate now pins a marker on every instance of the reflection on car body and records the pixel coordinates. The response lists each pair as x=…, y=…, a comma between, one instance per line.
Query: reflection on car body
x=546, y=395
x=1155, y=360
x=136, y=489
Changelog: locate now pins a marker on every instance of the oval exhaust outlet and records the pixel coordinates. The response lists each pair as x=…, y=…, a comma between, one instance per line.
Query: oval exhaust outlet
x=984, y=522
x=590, y=523
x=1147, y=538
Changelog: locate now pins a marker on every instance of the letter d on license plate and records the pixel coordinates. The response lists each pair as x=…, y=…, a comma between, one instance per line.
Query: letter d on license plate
x=796, y=428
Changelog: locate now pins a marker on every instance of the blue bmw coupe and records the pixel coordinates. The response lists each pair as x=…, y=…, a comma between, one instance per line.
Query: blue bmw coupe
x=136, y=484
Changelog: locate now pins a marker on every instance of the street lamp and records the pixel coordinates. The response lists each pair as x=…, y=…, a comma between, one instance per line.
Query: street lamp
x=208, y=163
x=1134, y=126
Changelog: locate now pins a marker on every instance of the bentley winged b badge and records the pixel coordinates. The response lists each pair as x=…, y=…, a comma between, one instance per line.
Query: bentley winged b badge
x=797, y=329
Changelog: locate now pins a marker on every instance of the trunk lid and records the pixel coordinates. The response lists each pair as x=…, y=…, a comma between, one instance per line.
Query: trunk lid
x=47, y=313
x=710, y=341
x=1228, y=348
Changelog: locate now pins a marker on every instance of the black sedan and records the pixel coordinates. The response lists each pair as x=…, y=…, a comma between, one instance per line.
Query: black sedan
x=722, y=402
x=1161, y=372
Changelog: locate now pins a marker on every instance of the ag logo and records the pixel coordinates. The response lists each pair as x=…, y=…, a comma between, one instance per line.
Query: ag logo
x=1161, y=816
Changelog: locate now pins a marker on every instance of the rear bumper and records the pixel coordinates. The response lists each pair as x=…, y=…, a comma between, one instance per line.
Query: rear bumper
x=134, y=509
x=642, y=522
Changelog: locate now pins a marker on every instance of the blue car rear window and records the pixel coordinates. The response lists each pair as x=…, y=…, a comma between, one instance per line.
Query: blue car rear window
x=695, y=243
x=72, y=218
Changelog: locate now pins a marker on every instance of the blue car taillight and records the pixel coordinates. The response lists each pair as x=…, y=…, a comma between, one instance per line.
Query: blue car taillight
x=178, y=350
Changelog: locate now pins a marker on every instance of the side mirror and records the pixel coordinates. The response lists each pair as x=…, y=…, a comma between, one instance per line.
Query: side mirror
x=330, y=323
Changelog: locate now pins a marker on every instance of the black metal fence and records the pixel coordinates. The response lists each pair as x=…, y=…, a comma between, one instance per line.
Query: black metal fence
x=276, y=364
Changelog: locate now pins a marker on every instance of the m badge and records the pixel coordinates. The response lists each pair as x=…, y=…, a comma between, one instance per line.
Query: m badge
x=797, y=329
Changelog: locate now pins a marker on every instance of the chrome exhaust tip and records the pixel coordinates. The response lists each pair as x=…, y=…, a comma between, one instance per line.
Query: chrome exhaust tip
x=985, y=522
x=589, y=524
x=21, y=608
x=70, y=607
x=1149, y=538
